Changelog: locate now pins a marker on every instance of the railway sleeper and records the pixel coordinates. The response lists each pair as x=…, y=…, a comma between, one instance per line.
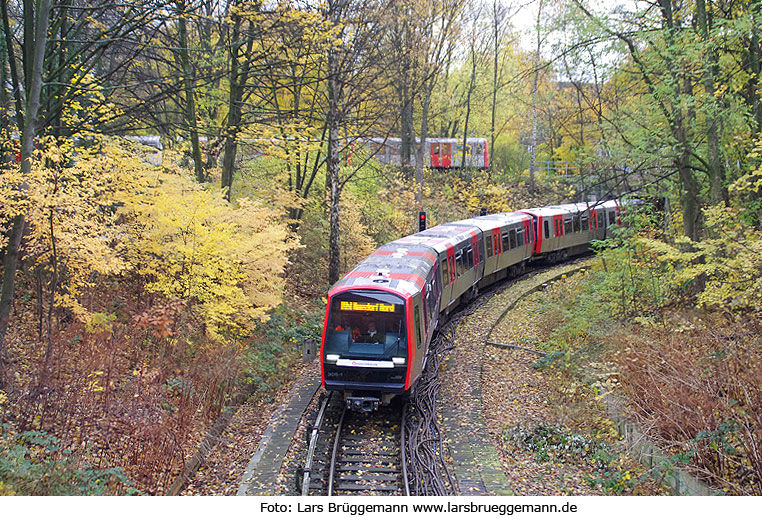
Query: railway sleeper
x=362, y=468
x=368, y=488
x=379, y=454
x=369, y=478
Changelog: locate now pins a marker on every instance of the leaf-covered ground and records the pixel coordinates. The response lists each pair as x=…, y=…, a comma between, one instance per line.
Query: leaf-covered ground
x=223, y=469
x=552, y=437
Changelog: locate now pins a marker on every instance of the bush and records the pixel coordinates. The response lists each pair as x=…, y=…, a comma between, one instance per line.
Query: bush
x=558, y=443
x=33, y=464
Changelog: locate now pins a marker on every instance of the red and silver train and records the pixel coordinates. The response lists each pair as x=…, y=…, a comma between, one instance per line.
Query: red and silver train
x=440, y=153
x=381, y=316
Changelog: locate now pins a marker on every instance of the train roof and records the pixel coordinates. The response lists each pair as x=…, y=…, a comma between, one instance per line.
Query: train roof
x=401, y=266
x=396, y=141
x=569, y=208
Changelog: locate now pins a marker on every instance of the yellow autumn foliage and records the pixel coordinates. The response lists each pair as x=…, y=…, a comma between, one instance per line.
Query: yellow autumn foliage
x=99, y=212
x=71, y=200
x=725, y=267
x=225, y=260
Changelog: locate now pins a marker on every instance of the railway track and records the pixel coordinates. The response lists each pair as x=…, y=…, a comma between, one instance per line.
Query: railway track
x=356, y=454
x=391, y=451
x=426, y=457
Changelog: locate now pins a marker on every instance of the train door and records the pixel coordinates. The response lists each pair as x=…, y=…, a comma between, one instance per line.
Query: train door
x=477, y=159
x=445, y=156
x=497, y=247
x=528, y=240
x=436, y=154
x=451, y=273
x=425, y=301
x=558, y=228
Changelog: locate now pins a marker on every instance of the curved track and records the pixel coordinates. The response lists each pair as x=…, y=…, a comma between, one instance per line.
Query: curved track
x=425, y=456
x=393, y=451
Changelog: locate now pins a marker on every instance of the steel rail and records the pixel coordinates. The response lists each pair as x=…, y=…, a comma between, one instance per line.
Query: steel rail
x=403, y=447
x=334, y=453
x=313, y=444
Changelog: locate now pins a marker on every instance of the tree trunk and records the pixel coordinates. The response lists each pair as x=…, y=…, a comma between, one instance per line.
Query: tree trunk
x=421, y=151
x=189, y=84
x=690, y=192
x=235, y=110
x=407, y=144
x=755, y=63
x=35, y=52
x=471, y=87
x=533, y=146
x=332, y=162
x=496, y=19
x=716, y=164
x=15, y=80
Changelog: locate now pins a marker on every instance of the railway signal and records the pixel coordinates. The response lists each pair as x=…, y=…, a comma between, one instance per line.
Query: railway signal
x=421, y=221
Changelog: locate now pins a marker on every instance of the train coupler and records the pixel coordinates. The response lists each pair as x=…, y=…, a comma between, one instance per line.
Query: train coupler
x=362, y=404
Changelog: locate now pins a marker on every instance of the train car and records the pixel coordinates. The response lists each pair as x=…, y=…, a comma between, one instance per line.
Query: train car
x=566, y=230
x=153, y=153
x=439, y=153
x=379, y=320
x=382, y=315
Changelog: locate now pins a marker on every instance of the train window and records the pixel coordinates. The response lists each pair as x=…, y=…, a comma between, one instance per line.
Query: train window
x=547, y=229
x=496, y=241
x=435, y=148
x=431, y=303
x=459, y=263
x=489, y=248
x=350, y=317
x=506, y=244
x=445, y=274
x=612, y=217
x=568, y=227
x=577, y=225
x=469, y=258
x=512, y=237
x=600, y=220
x=417, y=320
x=585, y=223
x=519, y=237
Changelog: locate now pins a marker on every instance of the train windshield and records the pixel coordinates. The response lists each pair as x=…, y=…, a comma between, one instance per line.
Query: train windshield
x=366, y=325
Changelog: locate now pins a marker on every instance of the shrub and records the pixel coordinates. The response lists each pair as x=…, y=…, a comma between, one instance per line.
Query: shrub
x=33, y=464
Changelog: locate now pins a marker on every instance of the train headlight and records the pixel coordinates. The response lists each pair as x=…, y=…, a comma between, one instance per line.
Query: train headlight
x=332, y=357
x=398, y=361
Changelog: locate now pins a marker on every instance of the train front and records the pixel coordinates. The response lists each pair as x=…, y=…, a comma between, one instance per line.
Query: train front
x=364, y=352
